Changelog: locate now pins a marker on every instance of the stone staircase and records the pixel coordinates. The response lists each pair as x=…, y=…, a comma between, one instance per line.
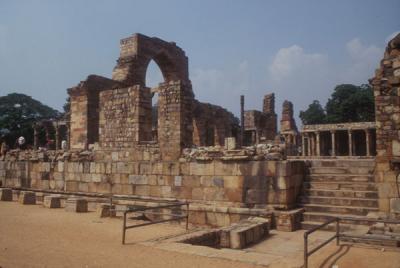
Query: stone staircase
x=338, y=188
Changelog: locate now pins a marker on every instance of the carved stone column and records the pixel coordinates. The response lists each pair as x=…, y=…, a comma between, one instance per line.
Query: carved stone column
x=317, y=144
x=303, y=144
x=367, y=141
x=333, y=142
x=350, y=142
x=309, y=144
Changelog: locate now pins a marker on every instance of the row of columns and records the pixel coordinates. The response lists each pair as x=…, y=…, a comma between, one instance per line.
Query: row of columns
x=314, y=142
x=57, y=128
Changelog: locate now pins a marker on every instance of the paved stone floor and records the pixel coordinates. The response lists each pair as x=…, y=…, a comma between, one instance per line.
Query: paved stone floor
x=33, y=236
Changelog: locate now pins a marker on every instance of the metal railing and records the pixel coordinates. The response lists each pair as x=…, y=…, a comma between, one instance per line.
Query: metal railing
x=175, y=217
x=339, y=235
x=308, y=253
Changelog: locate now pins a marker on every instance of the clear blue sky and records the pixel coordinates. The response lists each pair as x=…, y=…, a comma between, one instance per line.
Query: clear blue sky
x=298, y=49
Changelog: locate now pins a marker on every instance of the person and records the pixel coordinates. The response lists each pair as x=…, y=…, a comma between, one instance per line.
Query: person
x=4, y=147
x=64, y=145
x=21, y=142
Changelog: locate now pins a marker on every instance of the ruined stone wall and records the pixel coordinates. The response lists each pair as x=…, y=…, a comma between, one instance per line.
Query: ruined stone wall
x=212, y=124
x=386, y=84
x=263, y=123
x=138, y=50
x=287, y=121
x=175, y=130
x=233, y=183
x=84, y=110
x=125, y=117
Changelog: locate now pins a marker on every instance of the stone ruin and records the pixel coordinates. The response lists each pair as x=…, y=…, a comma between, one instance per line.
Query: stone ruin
x=192, y=151
x=184, y=150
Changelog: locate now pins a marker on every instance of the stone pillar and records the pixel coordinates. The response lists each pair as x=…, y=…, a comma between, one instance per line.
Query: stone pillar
x=35, y=137
x=317, y=144
x=57, y=141
x=350, y=142
x=333, y=142
x=367, y=141
x=68, y=137
x=309, y=144
x=303, y=144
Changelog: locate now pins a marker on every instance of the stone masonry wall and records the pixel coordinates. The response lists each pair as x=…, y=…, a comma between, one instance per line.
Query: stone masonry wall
x=386, y=84
x=125, y=117
x=238, y=184
x=212, y=124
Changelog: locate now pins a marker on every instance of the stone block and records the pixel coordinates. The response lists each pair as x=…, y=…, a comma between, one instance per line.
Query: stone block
x=138, y=179
x=178, y=181
x=142, y=190
x=395, y=205
x=289, y=221
x=76, y=204
x=6, y=194
x=52, y=201
x=104, y=210
x=27, y=198
x=230, y=143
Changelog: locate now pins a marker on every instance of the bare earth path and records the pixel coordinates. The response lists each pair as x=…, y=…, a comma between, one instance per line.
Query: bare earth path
x=32, y=236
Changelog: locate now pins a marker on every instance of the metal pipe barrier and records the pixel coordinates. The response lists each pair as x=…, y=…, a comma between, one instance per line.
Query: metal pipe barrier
x=175, y=217
x=339, y=235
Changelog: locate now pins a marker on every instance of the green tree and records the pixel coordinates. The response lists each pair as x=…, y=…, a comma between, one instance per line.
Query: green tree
x=18, y=112
x=315, y=114
x=350, y=103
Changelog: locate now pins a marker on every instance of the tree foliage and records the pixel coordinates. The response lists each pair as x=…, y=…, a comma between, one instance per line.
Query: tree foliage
x=348, y=103
x=315, y=114
x=18, y=112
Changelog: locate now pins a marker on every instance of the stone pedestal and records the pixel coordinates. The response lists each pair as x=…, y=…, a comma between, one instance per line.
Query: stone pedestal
x=76, y=204
x=289, y=221
x=6, y=194
x=52, y=201
x=27, y=198
x=104, y=210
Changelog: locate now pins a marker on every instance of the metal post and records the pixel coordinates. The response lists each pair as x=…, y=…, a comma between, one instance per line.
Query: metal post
x=124, y=229
x=305, y=251
x=241, y=120
x=187, y=216
x=337, y=231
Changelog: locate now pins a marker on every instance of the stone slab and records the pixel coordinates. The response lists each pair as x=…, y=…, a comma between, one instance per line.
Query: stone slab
x=6, y=194
x=104, y=210
x=27, y=198
x=74, y=204
x=52, y=201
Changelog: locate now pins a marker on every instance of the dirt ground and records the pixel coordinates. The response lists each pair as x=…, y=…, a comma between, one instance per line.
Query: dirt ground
x=33, y=236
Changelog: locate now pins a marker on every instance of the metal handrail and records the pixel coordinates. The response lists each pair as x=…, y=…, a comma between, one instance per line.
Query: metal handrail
x=175, y=217
x=307, y=233
x=337, y=235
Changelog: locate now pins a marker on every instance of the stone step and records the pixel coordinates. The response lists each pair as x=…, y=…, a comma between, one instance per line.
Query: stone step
x=340, y=193
x=307, y=225
x=323, y=217
x=343, y=163
x=341, y=201
x=346, y=210
x=340, y=177
x=340, y=170
x=353, y=186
